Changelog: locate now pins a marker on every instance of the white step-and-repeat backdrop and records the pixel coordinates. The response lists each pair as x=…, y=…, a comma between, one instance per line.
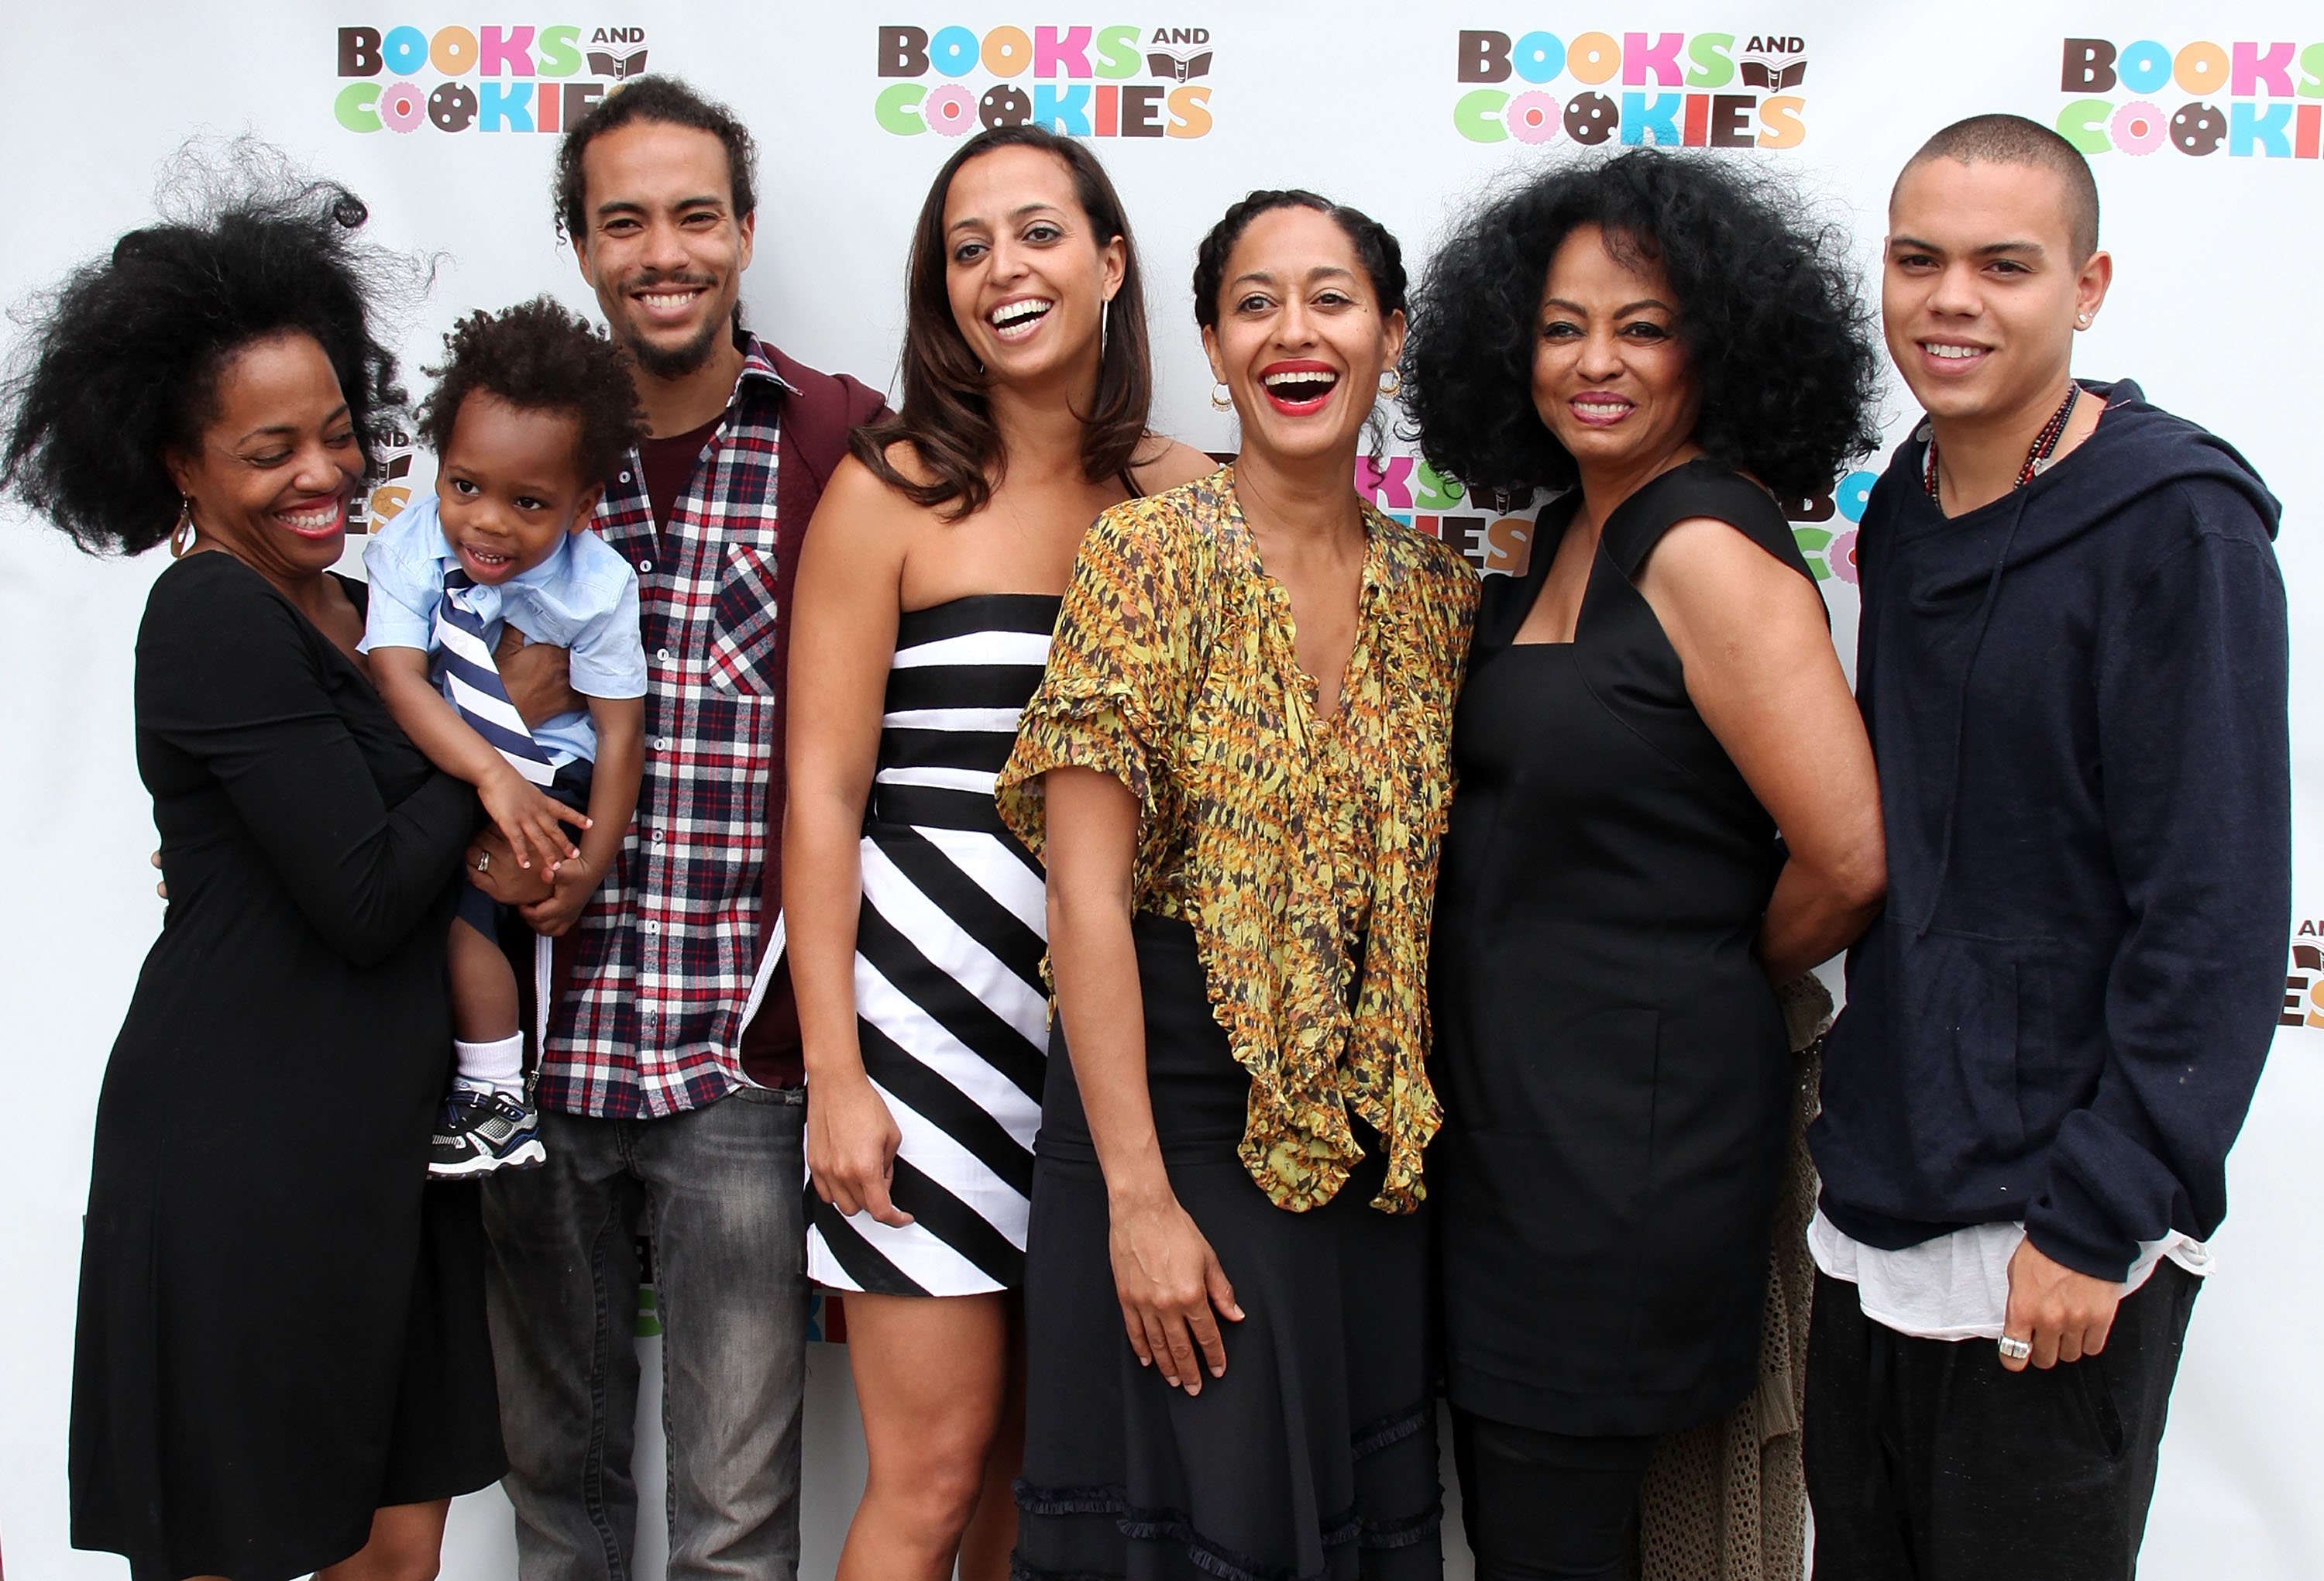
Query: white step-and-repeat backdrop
x=2204, y=125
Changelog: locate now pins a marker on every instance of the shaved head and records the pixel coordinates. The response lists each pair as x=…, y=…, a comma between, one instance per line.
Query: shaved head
x=2013, y=140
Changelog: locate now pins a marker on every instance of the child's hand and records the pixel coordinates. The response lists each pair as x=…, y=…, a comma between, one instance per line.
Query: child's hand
x=570, y=887
x=531, y=819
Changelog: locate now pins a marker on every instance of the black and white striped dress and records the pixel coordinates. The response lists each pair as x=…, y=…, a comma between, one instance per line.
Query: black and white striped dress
x=949, y=1006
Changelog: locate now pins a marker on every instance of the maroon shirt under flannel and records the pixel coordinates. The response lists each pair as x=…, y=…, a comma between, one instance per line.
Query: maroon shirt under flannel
x=649, y=1021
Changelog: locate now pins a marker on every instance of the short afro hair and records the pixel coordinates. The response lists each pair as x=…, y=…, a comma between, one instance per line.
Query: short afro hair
x=1768, y=311
x=1376, y=247
x=118, y=367
x=2013, y=140
x=539, y=356
x=666, y=101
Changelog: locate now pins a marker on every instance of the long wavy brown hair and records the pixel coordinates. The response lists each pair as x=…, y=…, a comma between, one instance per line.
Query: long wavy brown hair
x=946, y=416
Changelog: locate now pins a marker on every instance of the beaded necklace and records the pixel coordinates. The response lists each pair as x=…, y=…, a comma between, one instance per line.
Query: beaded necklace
x=2037, y=456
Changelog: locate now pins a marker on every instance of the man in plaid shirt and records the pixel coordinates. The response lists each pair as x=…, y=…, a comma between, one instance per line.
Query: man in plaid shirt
x=669, y=1083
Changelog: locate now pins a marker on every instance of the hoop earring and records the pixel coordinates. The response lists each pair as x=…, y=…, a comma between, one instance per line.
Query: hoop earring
x=1395, y=384
x=182, y=534
x=1221, y=398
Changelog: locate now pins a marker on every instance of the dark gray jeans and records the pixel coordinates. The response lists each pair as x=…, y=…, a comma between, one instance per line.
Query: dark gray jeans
x=718, y=1190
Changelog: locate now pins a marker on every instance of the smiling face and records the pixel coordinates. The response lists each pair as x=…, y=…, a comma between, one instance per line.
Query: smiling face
x=1300, y=342
x=509, y=486
x=663, y=248
x=1610, y=377
x=273, y=472
x=1980, y=294
x=1024, y=270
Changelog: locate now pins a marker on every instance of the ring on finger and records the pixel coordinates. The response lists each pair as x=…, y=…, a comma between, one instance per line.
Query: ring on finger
x=2013, y=1349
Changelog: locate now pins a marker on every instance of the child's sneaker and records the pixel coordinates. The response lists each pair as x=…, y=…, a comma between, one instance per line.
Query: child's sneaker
x=481, y=1132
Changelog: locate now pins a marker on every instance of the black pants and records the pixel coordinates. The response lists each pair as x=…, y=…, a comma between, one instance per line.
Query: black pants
x=1927, y=1461
x=1545, y=1506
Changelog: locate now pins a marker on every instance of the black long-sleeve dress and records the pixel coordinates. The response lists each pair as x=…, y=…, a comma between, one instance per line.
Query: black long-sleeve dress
x=282, y=1325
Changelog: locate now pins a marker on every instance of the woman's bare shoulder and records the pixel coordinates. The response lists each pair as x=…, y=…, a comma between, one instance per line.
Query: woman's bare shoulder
x=862, y=495
x=1162, y=462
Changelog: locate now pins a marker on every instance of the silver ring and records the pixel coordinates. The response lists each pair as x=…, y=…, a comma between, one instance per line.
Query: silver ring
x=2013, y=1350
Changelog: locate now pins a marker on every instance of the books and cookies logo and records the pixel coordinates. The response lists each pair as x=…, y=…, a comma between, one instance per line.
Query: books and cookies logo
x=1078, y=79
x=1493, y=530
x=522, y=77
x=2303, y=980
x=1671, y=89
x=2246, y=99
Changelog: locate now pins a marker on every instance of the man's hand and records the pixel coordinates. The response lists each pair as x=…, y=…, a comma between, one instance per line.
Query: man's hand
x=499, y=876
x=535, y=676
x=574, y=882
x=2065, y=1315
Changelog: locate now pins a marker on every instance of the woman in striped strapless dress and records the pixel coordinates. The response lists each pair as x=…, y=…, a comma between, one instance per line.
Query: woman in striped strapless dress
x=915, y=925
x=951, y=1016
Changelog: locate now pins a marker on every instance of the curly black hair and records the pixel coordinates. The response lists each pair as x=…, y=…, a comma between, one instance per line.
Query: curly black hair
x=1768, y=310
x=118, y=367
x=539, y=356
x=670, y=102
x=1376, y=248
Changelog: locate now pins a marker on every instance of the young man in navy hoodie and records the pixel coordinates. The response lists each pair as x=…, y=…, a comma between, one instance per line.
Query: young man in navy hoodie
x=2072, y=663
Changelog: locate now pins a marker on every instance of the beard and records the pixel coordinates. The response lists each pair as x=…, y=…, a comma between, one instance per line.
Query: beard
x=675, y=362
x=670, y=362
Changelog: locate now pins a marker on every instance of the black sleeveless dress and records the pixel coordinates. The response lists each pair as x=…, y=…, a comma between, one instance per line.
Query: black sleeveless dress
x=1612, y=1062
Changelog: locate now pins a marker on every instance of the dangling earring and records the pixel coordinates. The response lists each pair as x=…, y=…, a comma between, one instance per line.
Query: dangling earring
x=181, y=536
x=1222, y=397
x=1104, y=307
x=1395, y=383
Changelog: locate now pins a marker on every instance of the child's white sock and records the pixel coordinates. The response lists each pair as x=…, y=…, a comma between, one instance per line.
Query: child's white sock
x=497, y=1066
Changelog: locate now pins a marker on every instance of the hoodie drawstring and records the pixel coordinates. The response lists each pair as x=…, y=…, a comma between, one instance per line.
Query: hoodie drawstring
x=1960, y=717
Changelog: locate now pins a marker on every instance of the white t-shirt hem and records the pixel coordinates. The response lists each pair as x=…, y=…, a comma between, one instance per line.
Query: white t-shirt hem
x=1956, y=1286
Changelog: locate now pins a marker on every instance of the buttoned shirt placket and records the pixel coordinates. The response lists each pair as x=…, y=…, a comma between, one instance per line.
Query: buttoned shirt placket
x=650, y=1018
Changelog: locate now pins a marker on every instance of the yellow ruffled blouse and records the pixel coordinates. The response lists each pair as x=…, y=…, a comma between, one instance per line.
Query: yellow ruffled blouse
x=1293, y=845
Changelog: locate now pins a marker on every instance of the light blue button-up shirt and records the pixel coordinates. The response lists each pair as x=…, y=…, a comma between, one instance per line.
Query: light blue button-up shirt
x=583, y=598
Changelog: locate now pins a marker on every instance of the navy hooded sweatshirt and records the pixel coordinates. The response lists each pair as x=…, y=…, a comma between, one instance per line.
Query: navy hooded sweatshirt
x=2077, y=697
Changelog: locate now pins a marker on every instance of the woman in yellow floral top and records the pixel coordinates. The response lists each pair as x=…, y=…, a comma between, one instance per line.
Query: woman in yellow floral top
x=1236, y=772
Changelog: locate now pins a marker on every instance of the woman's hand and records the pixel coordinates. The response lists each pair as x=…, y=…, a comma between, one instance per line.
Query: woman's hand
x=531, y=819
x=1169, y=1279
x=851, y=1147
x=537, y=678
x=160, y=885
x=493, y=868
x=1165, y=1274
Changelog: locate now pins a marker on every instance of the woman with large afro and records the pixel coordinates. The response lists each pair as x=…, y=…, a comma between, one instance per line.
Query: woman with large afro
x=1665, y=808
x=281, y=1363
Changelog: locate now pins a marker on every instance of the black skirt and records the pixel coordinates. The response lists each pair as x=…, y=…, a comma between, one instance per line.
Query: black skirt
x=1315, y=1456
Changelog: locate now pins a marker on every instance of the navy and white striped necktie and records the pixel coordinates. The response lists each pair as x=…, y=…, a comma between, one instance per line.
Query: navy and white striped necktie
x=476, y=691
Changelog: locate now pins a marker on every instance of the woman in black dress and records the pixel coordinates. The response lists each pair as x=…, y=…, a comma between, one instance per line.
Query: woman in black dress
x=1649, y=708
x=282, y=1362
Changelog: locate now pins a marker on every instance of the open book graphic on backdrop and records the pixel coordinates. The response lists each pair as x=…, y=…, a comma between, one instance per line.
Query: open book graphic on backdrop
x=1177, y=65
x=1772, y=72
x=605, y=63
